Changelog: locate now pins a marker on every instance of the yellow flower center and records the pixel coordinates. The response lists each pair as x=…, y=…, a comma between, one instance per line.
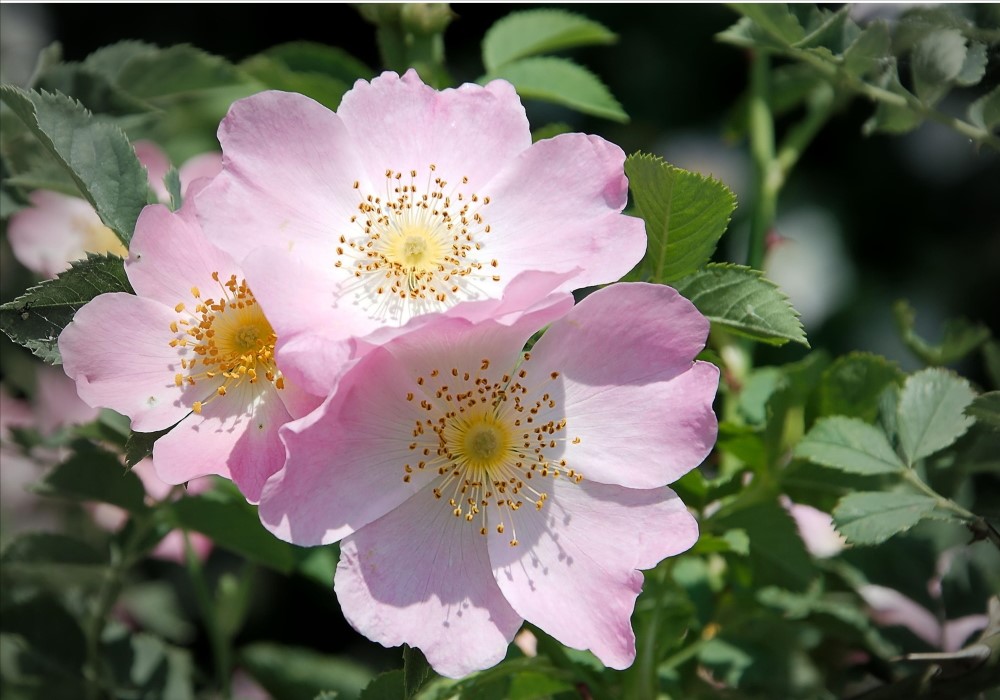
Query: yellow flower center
x=419, y=248
x=230, y=339
x=484, y=441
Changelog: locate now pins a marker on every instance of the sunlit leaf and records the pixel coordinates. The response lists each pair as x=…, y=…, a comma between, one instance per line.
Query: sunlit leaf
x=742, y=300
x=534, y=32
x=685, y=213
x=561, y=82
x=849, y=444
x=873, y=517
x=931, y=412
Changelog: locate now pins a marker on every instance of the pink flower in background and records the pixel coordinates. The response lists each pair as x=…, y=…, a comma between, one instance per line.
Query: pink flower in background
x=191, y=347
x=405, y=203
x=889, y=607
x=474, y=486
x=58, y=228
x=816, y=529
x=54, y=406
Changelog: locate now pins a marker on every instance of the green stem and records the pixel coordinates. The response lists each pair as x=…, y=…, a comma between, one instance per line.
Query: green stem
x=761, y=131
x=219, y=642
x=979, y=526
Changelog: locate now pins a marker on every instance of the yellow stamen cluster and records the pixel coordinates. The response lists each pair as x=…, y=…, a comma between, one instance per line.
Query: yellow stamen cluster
x=418, y=246
x=484, y=440
x=229, y=337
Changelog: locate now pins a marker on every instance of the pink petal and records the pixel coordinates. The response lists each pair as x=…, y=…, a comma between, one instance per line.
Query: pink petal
x=57, y=229
x=422, y=577
x=890, y=607
x=627, y=385
x=345, y=460
x=289, y=168
x=314, y=330
x=235, y=436
x=205, y=165
x=117, y=351
x=470, y=131
x=557, y=207
x=575, y=572
x=956, y=632
x=169, y=255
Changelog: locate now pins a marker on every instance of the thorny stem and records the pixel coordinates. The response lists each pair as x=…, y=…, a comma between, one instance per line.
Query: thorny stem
x=761, y=130
x=979, y=525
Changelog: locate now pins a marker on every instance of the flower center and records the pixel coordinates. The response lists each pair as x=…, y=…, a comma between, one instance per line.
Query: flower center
x=484, y=439
x=419, y=247
x=230, y=339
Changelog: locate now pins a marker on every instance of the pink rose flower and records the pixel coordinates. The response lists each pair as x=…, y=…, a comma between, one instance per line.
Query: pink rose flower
x=58, y=228
x=405, y=203
x=473, y=486
x=191, y=347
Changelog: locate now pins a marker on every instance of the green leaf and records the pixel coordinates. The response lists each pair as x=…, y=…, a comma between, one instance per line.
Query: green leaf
x=416, y=670
x=685, y=214
x=891, y=119
x=850, y=445
x=777, y=553
x=533, y=32
x=873, y=517
x=36, y=318
x=852, y=384
x=774, y=19
x=146, y=667
x=296, y=672
x=140, y=445
x=97, y=154
x=172, y=181
x=868, y=52
x=936, y=62
x=827, y=31
x=974, y=66
x=174, y=71
x=313, y=57
x=233, y=524
x=960, y=337
x=986, y=409
x=53, y=641
x=743, y=301
x=931, y=412
x=50, y=548
x=385, y=686
x=560, y=81
x=273, y=74
x=94, y=90
x=985, y=111
x=550, y=130
x=94, y=474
